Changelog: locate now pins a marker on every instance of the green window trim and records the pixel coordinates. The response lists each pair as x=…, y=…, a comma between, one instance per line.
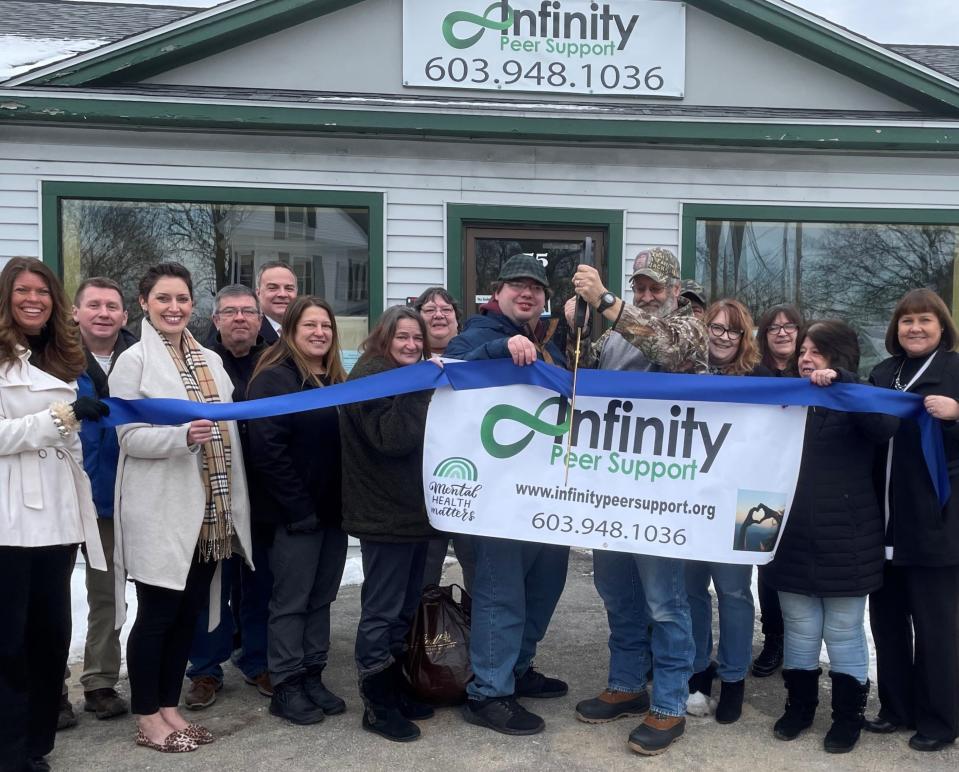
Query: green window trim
x=51, y=194
x=458, y=215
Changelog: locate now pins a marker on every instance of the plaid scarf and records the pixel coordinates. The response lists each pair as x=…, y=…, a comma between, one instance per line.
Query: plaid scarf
x=216, y=533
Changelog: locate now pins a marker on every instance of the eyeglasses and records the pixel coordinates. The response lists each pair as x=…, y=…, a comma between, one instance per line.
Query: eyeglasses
x=437, y=311
x=522, y=286
x=230, y=313
x=775, y=329
x=717, y=331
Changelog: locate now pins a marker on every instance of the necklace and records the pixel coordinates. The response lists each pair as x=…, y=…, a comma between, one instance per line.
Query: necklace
x=898, y=384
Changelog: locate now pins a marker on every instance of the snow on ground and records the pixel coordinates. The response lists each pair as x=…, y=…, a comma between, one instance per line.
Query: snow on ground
x=18, y=55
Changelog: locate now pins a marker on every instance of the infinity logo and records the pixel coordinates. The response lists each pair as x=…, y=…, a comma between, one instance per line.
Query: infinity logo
x=483, y=22
x=511, y=413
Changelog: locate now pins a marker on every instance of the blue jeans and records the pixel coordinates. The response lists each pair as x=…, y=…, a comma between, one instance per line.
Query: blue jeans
x=515, y=591
x=663, y=582
x=630, y=657
x=837, y=621
x=736, y=616
x=211, y=649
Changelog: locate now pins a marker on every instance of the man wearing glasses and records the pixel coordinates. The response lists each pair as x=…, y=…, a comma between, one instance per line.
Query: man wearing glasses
x=237, y=320
x=658, y=332
x=506, y=628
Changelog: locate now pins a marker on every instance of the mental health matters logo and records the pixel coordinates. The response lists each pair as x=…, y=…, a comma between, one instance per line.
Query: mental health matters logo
x=456, y=468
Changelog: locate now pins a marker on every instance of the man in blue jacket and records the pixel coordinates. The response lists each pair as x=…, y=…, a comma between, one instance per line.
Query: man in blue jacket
x=99, y=312
x=517, y=584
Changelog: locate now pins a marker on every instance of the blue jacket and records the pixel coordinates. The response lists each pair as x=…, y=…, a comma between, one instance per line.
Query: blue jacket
x=485, y=335
x=101, y=448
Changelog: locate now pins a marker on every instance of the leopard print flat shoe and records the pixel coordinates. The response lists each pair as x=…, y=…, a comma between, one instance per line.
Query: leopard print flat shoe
x=199, y=734
x=175, y=742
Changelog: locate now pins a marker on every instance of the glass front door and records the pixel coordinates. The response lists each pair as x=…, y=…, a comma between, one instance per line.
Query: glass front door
x=560, y=252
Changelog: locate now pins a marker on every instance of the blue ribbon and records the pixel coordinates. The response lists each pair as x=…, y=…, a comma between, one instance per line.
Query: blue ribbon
x=848, y=397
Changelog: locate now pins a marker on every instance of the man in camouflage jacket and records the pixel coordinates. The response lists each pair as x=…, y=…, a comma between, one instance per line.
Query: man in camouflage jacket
x=657, y=333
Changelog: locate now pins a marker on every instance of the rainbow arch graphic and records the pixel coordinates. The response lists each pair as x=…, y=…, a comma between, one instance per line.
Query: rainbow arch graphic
x=456, y=468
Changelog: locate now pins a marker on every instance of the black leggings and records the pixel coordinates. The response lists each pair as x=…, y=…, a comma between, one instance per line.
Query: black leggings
x=34, y=642
x=159, y=642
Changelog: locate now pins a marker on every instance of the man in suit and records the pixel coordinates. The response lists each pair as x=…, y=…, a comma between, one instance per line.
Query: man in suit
x=275, y=290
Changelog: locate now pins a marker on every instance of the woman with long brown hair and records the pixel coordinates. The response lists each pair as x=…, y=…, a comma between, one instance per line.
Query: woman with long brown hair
x=181, y=506
x=383, y=506
x=46, y=507
x=296, y=461
x=732, y=351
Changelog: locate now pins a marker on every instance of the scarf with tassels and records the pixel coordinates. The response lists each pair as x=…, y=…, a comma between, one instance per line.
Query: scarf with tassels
x=216, y=533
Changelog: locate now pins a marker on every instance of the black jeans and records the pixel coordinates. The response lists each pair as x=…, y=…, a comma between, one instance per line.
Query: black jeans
x=159, y=642
x=392, y=580
x=34, y=644
x=915, y=622
x=307, y=570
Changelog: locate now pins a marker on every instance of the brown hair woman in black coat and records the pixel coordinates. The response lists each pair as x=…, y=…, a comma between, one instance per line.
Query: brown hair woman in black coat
x=915, y=616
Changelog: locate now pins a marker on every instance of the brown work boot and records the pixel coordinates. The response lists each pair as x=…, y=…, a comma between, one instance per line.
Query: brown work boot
x=105, y=703
x=202, y=692
x=262, y=683
x=610, y=705
x=66, y=718
x=656, y=733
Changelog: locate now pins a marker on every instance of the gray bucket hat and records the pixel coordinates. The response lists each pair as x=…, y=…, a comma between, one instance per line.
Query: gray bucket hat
x=523, y=267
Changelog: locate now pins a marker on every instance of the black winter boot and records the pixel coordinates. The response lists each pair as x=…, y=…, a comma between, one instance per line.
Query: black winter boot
x=289, y=701
x=411, y=707
x=382, y=714
x=703, y=680
x=319, y=695
x=770, y=658
x=848, y=709
x=730, y=706
x=802, y=697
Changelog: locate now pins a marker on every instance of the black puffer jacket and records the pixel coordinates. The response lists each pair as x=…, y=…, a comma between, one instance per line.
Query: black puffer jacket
x=922, y=532
x=832, y=542
x=383, y=463
x=295, y=458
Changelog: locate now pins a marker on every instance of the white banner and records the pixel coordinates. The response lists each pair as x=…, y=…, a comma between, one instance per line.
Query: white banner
x=695, y=480
x=621, y=47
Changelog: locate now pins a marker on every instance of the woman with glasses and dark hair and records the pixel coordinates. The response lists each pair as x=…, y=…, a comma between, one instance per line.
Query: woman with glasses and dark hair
x=829, y=556
x=296, y=460
x=915, y=616
x=181, y=506
x=441, y=315
x=384, y=507
x=776, y=337
x=732, y=351
x=46, y=505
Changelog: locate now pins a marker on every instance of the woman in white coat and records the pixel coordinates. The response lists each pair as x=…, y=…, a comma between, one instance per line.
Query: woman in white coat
x=46, y=506
x=181, y=506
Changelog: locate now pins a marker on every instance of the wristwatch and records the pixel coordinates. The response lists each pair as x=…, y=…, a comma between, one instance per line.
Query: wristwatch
x=606, y=300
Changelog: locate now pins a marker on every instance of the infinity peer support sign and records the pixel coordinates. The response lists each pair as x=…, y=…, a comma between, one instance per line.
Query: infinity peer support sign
x=616, y=47
x=696, y=480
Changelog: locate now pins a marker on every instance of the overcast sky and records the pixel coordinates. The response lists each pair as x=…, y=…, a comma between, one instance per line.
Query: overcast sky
x=885, y=21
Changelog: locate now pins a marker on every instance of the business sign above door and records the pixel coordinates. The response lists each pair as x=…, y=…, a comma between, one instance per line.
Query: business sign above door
x=620, y=47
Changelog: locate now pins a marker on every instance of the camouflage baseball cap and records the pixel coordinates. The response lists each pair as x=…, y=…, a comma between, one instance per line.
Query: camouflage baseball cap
x=658, y=264
x=694, y=291
x=523, y=267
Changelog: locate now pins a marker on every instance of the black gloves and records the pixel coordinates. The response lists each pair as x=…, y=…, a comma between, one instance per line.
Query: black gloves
x=89, y=409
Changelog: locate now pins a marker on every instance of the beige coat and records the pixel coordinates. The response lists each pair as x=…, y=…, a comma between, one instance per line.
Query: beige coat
x=160, y=496
x=46, y=498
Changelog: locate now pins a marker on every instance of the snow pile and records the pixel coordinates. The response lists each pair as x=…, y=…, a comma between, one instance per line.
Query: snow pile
x=18, y=55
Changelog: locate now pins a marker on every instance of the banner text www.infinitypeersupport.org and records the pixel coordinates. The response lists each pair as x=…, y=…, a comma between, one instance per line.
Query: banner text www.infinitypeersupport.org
x=605, y=500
